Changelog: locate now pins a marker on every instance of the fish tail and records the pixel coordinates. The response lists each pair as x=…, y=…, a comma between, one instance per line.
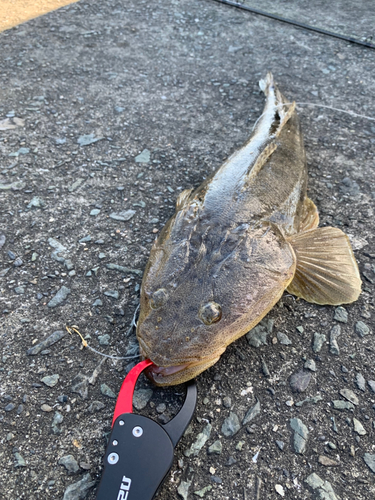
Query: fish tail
x=267, y=83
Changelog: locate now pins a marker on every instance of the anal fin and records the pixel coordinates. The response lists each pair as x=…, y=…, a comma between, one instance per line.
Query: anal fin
x=326, y=272
x=310, y=216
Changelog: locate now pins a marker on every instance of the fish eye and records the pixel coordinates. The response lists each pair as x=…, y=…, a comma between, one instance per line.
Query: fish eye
x=159, y=298
x=210, y=313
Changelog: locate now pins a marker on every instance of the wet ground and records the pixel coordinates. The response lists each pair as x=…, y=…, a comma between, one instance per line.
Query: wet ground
x=107, y=112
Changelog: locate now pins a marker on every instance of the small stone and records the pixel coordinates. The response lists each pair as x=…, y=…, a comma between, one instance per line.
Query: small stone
x=85, y=239
x=50, y=340
x=125, y=270
x=318, y=341
x=325, y=491
x=370, y=461
x=341, y=314
x=203, y=491
x=301, y=434
x=57, y=420
x=310, y=365
x=240, y=445
x=371, y=384
x=101, y=256
x=20, y=461
x=283, y=338
x=350, y=396
x=216, y=448
x=19, y=290
x=358, y=427
x=280, y=444
x=231, y=425
x=70, y=463
x=161, y=408
x=333, y=345
x=80, y=385
x=85, y=140
x=60, y=296
x=104, y=339
x=199, y=442
x=141, y=398
x=360, y=381
x=252, y=413
x=79, y=490
x=51, y=380
x=361, y=328
x=94, y=212
x=122, y=216
x=312, y=400
x=112, y=293
x=36, y=202
x=227, y=402
x=9, y=407
x=300, y=329
x=327, y=462
x=96, y=406
x=265, y=369
x=280, y=490
x=46, y=408
x=107, y=391
x=258, y=335
x=342, y=405
x=143, y=157
x=299, y=381
x=97, y=303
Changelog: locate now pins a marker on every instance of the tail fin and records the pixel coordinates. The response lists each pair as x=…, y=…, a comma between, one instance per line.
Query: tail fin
x=267, y=83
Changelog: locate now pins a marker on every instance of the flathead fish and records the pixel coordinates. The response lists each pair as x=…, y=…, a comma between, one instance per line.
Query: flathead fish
x=234, y=245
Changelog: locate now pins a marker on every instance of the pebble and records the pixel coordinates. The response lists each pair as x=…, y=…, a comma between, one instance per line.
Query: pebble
x=280, y=444
x=333, y=345
x=326, y=461
x=199, y=442
x=283, y=338
x=94, y=212
x=51, y=380
x=313, y=400
x=143, y=157
x=350, y=396
x=257, y=336
x=18, y=262
x=280, y=490
x=252, y=413
x=19, y=290
x=310, y=365
x=183, y=489
x=96, y=406
x=299, y=381
x=52, y=339
x=324, y=488
x=341, y=314
x=79, y=490
x=361, y=328
x=70, y=463
x=104, y=339
x=371, y=384
x=141, y=398
x=36, y=202
x=85, y=140
x=60, y=296
x=107, y=391
x=80, y=385
x=46, y=408
x=339, y=404
x=9, y=407
x=300, y=329
x=318, y=341
x=2, y=240
x=122, y=216
x=85, y=239
x=203, y=491
x=57, y=420
x=301, y=434
x=20, y=461
x=125, y=270
x=216, y=448
x=227, y=402
x=231, y=425
x=370, y=461
x=358, y=427
x=112, y=293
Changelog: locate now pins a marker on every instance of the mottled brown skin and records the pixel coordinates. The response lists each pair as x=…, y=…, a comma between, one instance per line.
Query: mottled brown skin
x=223, y=260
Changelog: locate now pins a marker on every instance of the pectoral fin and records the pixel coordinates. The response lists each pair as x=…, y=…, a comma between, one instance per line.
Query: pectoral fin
x=182, y=198
x=327, y=272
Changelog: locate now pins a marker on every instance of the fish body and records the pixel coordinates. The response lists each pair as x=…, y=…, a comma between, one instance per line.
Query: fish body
x=234, y=245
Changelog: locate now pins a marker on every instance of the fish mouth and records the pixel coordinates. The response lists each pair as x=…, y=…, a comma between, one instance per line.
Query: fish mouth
x=178, y=374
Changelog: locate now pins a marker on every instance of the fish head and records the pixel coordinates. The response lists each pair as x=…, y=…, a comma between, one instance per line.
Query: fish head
x=201, y=293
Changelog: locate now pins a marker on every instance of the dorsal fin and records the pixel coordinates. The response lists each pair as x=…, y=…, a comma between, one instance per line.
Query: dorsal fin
x=260, y=161
x=284, y=117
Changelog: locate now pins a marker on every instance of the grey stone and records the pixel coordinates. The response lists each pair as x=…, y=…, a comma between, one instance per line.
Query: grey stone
x=112, y=293
x=79, y=490
x=203, y=491
x=57, y=420
x=36, y=202
x=333, y=345
x=370, y=461
x=2, y=240
x=280, y=444
x=310, y=365
x=125, y=270
x=96, y=406
x=199, y=442
x=360, y=381
x=80, y=385
x=358, y=427
x=341, y=314
x=183, y=489
x=85, y=239
x=339, y=404
x=216, y=448
x=143, y=157
x=323, y=488
x=350, y=396
x=94, y=212
x=299, y=381
x=141, y=398
x=227, y=402
x=107, y=391
x=362, y=329
x=231, y=425
x=52, y=339
x=257, y=336
x=161, y=408
x=318, y=341
x=60, y=296
x=301, y=435
x=252, y=413
x=20, y=461
x=19, y=290
x=122, y=216
x=104, y=339
x=371, y=384
x=97, y=303
x=70, y=463
x=312, y=399
x=51, y=380
x=283, y=338
x=9, y=407
x=86, y=140
x=18, y=262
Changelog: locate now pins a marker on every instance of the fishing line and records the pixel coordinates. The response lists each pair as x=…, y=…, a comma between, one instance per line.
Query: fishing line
x=296, y=23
